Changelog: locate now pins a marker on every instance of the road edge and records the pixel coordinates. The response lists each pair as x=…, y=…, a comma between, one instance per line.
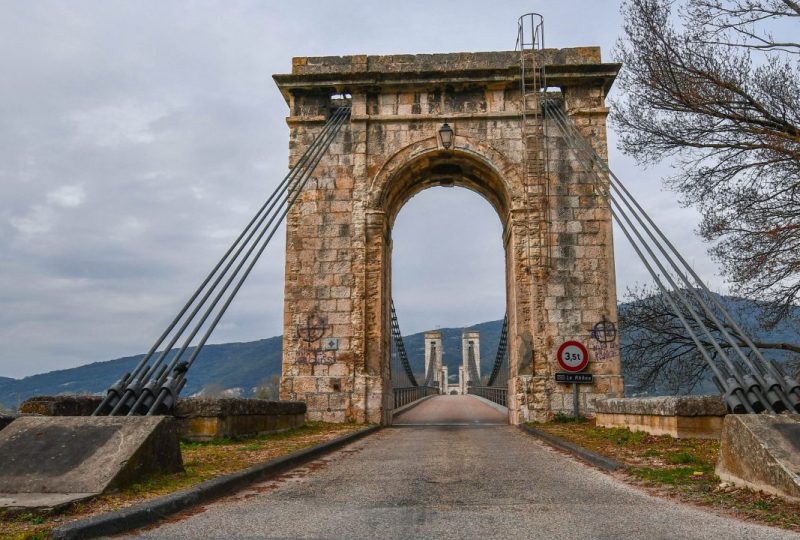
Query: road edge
x=592, y=458
x=154, y=510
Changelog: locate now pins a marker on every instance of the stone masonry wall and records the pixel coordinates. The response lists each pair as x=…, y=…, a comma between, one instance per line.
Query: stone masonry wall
x=338, y=249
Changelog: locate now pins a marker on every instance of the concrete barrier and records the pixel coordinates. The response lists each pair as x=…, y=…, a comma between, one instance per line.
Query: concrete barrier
x=48, y=462
x=202, y=419
x=762, y=452
x=697, y=417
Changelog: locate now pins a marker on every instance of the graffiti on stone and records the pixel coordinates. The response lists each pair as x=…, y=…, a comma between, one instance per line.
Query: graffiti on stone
x=605, y=331
x=312, y=328
x=602, y=344
x=315, y=356
x=312, y=350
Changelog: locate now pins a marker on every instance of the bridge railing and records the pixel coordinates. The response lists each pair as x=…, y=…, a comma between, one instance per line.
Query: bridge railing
x=410, y=394
x=497, y=394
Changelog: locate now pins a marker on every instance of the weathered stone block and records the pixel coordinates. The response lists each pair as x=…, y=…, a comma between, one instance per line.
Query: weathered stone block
x=698, y=417
x=202, y=419
x=762, y=451
x=709, y=405
x=66, y=405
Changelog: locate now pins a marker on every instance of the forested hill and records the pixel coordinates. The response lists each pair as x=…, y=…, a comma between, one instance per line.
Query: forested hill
x=230, y=365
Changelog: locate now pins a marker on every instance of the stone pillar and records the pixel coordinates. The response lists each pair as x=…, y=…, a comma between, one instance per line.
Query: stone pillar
x=337, y=332
x=471, y=338
x=433, y=348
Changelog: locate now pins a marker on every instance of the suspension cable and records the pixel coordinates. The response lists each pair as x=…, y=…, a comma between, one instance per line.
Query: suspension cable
x=501, y=356
x=777, y=397
x=252, y=228
x=401, y=348
x=143, y=381
x=171, y=385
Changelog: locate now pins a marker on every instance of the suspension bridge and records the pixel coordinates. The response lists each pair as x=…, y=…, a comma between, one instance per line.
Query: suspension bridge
x=526, y=130
x=528, y=133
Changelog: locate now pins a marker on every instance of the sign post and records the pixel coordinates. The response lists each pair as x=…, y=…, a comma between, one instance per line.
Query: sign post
x=576, y=412
x=573, y=358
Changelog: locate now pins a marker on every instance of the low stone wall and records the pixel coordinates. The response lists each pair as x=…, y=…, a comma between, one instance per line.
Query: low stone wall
x=698, y=417
x=198, y=419
x=202, y=419
x=66, y=405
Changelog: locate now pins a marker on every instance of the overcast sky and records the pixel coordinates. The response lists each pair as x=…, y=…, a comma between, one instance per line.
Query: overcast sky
x=136, y=139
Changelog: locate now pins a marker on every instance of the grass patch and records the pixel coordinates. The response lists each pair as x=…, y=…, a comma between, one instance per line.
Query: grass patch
x=622, y=436
x=561, y=418
x=201, y=460
x=681, y=467
x=673, y=475
x=682, y=458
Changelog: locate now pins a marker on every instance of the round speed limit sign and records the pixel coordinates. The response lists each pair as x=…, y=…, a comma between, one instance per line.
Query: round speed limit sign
x=573, y=356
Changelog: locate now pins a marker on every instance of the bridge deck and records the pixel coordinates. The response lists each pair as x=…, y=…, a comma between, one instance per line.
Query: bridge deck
x=452, y=410
x=484, y=481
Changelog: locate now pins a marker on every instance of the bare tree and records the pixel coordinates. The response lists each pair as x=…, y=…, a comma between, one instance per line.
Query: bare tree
x=659, y=353
x=269, y=388
x=706, y=82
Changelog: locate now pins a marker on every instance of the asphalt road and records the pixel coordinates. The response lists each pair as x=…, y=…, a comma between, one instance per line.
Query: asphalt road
x=458, y=481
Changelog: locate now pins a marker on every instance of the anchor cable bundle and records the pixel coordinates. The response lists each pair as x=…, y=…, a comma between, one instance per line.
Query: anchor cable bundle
x=747, y=385
x=154, y=388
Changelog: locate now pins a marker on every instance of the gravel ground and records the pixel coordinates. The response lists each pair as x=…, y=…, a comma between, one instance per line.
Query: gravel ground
x=459, y=481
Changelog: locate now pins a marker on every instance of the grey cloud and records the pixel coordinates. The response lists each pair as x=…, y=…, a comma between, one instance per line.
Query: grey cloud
x=138, y=137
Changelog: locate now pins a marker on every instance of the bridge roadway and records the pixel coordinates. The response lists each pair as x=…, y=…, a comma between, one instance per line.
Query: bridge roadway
x=427, y=479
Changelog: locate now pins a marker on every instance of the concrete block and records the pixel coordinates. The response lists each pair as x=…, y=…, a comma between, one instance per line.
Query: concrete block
x=52, y=461
x=762, y=452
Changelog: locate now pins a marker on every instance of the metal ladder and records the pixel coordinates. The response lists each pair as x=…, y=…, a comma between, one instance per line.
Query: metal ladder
x=530, y=44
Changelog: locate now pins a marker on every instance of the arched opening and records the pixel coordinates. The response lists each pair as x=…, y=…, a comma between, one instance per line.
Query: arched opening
x=448, y=277
x=431, y=168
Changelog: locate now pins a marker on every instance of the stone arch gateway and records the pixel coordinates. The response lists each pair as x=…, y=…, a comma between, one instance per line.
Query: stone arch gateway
x=557, y=232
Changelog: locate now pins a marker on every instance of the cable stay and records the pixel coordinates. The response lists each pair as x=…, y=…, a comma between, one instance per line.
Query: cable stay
x=499, y=373
x=749, y=383
x=405, y=387
x=153, y=388
x=401, y=355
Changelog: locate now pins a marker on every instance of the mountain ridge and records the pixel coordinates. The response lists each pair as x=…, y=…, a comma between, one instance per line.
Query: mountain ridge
x=246, y=365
